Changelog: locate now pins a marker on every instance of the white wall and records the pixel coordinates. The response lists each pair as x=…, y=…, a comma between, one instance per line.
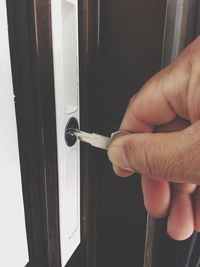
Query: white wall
x=13, y=243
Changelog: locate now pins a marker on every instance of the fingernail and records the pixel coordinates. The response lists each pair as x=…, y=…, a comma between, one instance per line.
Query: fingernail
x=117, y=157
x=122, y=172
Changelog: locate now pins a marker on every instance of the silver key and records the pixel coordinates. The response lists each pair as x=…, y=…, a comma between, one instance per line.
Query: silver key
x=94, y=139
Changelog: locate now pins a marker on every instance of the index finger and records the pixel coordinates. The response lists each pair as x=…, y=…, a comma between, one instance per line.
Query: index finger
x=148, y=108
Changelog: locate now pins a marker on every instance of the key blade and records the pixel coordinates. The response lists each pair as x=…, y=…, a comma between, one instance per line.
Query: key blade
x=93, y=139
x=100, y=141
x=82, y=136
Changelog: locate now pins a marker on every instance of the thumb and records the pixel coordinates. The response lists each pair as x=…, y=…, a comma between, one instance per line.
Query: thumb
x=171, y=156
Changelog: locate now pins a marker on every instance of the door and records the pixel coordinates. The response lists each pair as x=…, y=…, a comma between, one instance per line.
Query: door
x=115, y=47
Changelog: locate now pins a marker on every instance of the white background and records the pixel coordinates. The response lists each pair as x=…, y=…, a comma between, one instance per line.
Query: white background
x=13, y=243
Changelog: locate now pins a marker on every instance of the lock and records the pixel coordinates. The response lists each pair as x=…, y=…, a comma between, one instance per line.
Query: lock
x=70, y=139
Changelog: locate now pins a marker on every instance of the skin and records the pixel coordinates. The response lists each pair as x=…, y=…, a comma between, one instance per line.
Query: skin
x=165, y=147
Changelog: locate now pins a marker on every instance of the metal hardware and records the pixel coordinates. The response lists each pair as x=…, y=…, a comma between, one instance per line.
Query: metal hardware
x=94, y=139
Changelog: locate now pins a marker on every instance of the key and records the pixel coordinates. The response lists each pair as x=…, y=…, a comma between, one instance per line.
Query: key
x=94, y=139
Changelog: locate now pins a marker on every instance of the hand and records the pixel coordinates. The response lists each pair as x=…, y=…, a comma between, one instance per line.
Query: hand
x=164, y=117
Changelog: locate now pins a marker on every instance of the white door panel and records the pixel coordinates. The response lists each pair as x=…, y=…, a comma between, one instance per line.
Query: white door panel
x=66, y=77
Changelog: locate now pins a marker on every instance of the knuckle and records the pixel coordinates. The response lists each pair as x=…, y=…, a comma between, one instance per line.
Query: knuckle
x=132, y=99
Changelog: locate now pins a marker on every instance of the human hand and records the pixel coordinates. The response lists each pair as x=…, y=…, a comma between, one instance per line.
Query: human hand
x=165, y=146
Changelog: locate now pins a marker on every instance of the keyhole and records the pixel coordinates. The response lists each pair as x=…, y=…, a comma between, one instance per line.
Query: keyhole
x=70, y=139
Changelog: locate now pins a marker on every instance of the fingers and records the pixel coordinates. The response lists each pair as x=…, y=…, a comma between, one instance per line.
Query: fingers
x=157, y=193
x=173, y=156
x=148, y=108
x=180, y=225
x=156, y=197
